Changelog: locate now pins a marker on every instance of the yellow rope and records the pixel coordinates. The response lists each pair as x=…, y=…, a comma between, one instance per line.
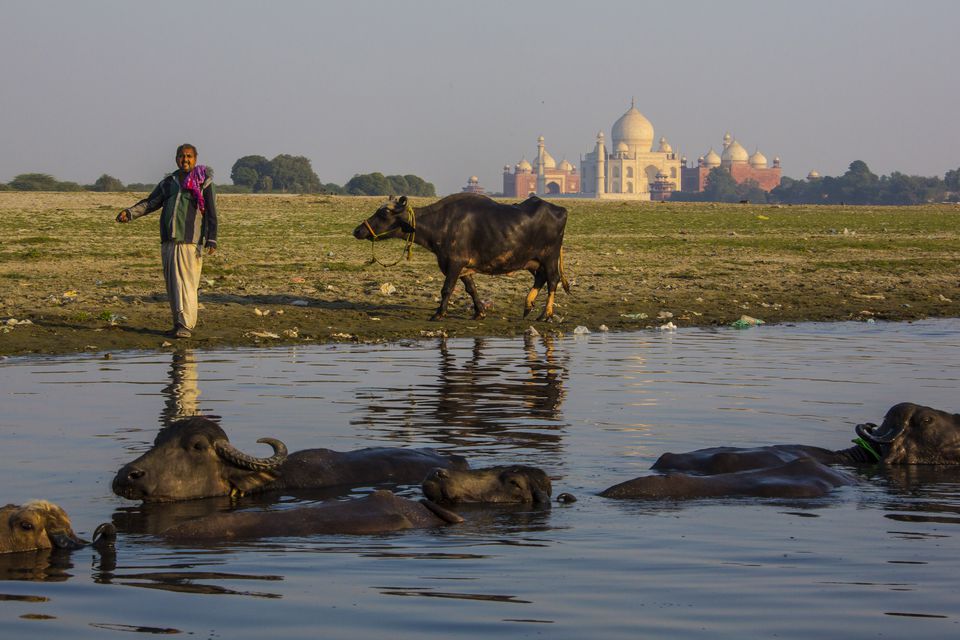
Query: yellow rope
x=408, y=248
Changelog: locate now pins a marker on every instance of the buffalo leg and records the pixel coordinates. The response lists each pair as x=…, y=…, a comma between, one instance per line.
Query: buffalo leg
x=538, y=281
x=449, y=282
x=471, y=288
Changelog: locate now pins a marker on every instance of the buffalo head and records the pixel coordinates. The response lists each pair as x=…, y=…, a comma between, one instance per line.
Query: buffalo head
x=493, y=484
x=391, y=220
x=36, y=525
x=913, y=434
x=193, y=458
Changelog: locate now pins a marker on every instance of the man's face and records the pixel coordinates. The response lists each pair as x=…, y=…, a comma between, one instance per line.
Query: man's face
x=187, y=160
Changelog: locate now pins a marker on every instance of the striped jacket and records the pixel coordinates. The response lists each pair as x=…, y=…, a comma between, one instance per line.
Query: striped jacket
x=180, y=219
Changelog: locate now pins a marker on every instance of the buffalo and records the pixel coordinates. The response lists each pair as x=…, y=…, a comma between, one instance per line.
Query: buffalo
x=39, y=524
x=910, y=434
x=503, y=484
x=193, y=458
x=379, y=512
x=471, y=233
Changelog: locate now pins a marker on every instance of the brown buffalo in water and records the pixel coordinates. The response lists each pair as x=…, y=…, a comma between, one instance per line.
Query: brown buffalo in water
x=471, y=233
x=380, y=512
x=39, y=524
x=193, y=458
x=504, y=484
x=909, y=434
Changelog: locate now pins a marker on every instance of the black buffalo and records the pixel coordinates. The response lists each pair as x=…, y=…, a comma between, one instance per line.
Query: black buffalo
x=193, y=458
x=909, y=435
x=379, y=512
x=470, y=233
x=504, y=484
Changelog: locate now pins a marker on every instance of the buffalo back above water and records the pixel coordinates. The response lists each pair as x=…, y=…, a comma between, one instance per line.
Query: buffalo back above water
x=193, y=458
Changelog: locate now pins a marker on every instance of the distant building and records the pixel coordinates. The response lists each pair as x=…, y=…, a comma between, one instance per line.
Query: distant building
x=547, y=178
x=629, y=169
x=473, y=186
x=737, y=161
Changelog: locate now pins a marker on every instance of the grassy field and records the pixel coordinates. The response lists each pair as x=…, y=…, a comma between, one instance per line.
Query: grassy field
x=86, y=283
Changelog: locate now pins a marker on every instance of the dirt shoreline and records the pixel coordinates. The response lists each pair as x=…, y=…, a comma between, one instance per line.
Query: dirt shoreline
x=288, y=272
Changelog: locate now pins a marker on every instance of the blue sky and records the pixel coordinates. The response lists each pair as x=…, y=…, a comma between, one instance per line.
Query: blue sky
x=449, y=89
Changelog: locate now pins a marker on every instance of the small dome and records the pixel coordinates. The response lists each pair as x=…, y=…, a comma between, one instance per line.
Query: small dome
x=665, y=146
x=711, y=159
x=565, y=166
x=735, y=153
x=633, y=129
x=622, y=147
x=813, y=175
x=727, y=139
x=758, y=160
x=524, y=166
x=473, y=180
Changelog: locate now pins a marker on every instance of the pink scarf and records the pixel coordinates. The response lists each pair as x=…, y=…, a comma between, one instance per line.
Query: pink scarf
x=194, y=184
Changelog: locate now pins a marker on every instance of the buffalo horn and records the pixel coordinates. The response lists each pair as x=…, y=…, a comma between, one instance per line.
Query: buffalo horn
x=231, y=454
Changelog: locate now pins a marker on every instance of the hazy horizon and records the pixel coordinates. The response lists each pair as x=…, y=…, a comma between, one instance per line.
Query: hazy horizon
x=446, y=90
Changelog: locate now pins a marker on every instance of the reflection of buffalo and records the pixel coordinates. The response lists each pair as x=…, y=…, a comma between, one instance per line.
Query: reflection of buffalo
x=517, y=484
x=193, y=458
x=909, y=434
x=378, y=512
x=36, y=525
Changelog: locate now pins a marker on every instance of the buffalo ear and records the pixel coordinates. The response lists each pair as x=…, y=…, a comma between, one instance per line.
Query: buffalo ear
x=402, y=202
x=540, y=496
x=250, y=481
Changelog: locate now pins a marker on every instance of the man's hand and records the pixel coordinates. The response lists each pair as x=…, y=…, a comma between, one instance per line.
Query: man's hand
x=123, y=216
x=211, y=250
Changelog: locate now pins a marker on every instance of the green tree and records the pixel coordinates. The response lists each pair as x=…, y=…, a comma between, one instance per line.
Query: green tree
x=34, y=182
x=294, y=174
x=107, y=182
x=951, y=180
x=368, y=184
x=721, y=187
x=247, y=170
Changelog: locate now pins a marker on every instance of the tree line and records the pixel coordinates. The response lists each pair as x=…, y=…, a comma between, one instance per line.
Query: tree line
x=252, y=174
x=858, y=185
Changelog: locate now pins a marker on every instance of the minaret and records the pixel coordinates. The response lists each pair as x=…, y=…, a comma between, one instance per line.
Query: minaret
x=541, y=174
x=601, y=166
x=727, y=139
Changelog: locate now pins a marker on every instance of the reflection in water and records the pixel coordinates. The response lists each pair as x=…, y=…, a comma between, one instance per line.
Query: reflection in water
x=181, y=396
x=493, y=401
x=42, y=565
x=921, y=493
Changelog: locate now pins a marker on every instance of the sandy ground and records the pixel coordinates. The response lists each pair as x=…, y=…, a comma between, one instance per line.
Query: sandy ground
x=288, y=272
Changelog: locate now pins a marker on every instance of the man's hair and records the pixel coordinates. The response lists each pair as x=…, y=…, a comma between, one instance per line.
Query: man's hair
x=187, y=145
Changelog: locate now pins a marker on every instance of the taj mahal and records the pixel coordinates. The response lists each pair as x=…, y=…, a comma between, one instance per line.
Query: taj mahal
x=629, y=168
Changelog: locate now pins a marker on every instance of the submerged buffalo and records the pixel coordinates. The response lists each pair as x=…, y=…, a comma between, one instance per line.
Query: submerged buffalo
x=193, y=458
x=380, y=512
x=471, y=233
x=39, y=524
x=504, y=484
x=909, y=434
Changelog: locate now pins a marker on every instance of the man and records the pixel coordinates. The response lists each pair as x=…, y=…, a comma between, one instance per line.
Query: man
x=188, y=222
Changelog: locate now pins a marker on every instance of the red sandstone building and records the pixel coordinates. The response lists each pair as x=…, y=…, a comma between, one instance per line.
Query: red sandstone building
x=742, y=167
x=547, y=178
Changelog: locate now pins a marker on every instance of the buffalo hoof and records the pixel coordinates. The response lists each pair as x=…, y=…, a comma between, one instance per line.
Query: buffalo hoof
x=437, y=316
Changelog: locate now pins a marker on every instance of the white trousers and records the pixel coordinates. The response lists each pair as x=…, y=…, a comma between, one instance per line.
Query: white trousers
x=182, y=263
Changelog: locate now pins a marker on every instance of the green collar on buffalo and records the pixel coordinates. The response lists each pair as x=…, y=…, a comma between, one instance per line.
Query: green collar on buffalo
x=863, y=444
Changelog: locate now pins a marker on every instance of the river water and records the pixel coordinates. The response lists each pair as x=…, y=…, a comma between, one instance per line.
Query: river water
x=879, y=559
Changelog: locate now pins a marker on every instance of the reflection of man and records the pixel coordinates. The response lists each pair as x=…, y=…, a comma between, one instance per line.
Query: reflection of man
x=182, y=392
